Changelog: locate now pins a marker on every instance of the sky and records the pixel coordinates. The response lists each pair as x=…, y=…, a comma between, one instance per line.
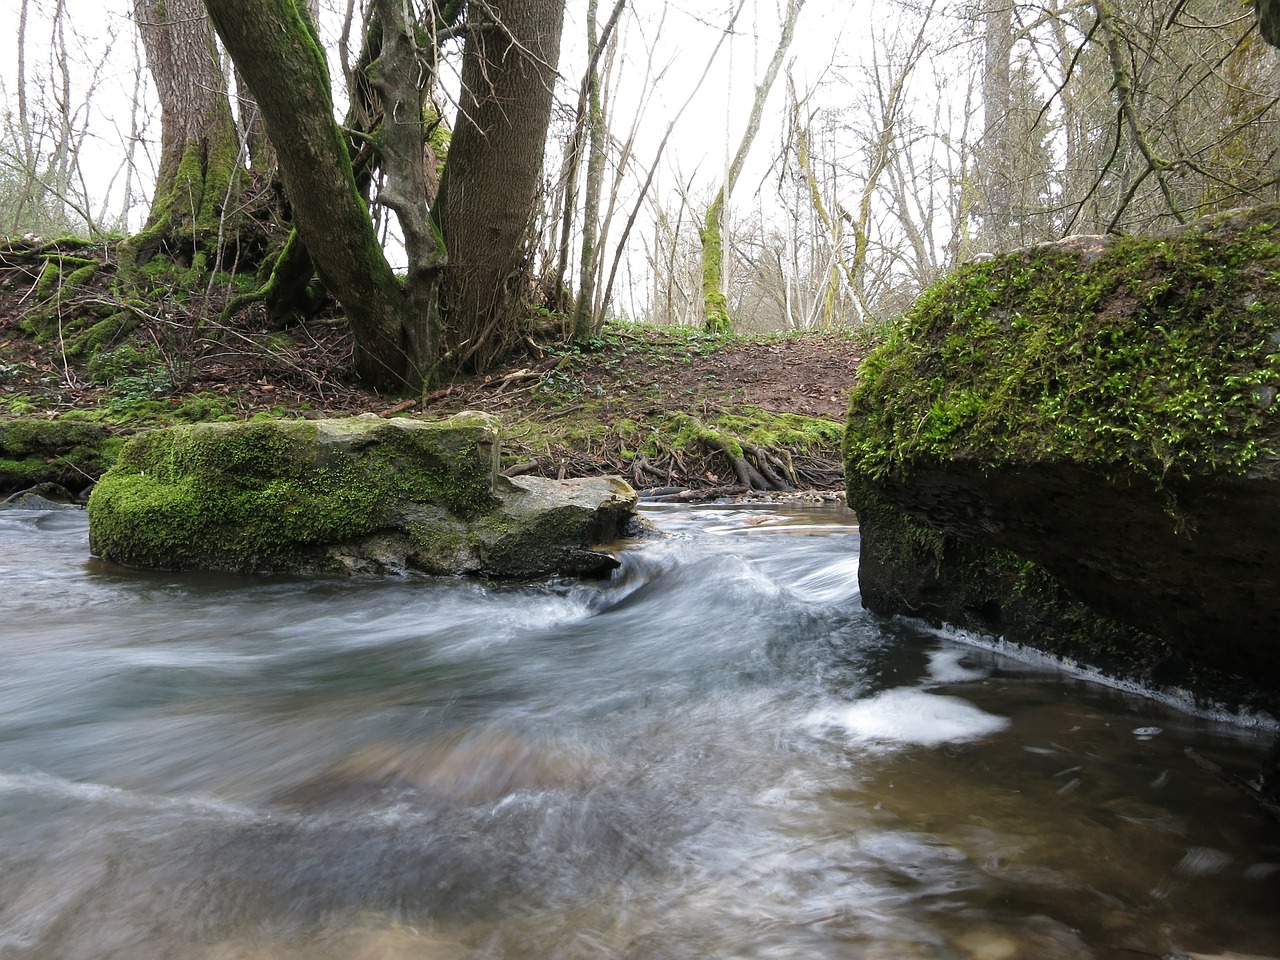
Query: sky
x=674, y=38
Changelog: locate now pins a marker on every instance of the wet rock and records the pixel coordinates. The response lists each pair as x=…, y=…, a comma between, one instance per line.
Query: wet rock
x=358, y=496
x=66, y=451
x=42, y=496
x=1076, y=449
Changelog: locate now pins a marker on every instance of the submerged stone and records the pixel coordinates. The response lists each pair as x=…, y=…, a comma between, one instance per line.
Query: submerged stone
x=1073, y=446
x=357, y=495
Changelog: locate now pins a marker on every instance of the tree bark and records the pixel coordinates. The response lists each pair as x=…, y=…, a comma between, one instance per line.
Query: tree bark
x=274, y=45
x=492, y=174
x=400, y=75
x=199, y=147
x=584, y=312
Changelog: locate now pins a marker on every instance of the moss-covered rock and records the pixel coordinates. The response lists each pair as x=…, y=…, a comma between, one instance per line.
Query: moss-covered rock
x=1102, y=409
x=358, y=495
x=67, y=451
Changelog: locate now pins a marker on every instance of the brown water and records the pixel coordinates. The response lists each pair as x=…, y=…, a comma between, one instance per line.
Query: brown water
x=717, y=754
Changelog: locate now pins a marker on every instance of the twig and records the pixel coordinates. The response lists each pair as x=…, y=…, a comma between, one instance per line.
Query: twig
x=400, y=407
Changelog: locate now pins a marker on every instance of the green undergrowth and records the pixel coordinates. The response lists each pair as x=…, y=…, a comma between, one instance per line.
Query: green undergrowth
x=81, y=304
x=1160, y=355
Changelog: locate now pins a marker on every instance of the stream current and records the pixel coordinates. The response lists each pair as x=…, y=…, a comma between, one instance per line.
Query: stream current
x=715, y=754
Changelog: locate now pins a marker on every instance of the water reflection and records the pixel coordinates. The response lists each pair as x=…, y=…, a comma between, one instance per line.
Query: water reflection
x=715, y=754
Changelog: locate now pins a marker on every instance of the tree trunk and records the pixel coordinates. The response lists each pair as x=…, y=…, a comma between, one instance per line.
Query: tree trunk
x=262, y=155
x=274, y=45
x=400, y=75
x=715, y=306
x=199, y=148
x=584, y=312
x=1269, y=21
x=996, y=154
x=492, y=174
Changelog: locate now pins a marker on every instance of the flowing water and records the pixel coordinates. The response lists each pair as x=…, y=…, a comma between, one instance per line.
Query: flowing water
x=716, y=754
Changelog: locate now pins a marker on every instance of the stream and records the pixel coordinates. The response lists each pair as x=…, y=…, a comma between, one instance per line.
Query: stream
x=715, y=754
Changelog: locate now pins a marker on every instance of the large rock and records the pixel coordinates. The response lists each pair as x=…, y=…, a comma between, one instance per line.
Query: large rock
x=358, y=495
x=1092, y=422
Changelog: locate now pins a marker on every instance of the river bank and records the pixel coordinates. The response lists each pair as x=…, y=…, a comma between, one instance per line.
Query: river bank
x=670, y=409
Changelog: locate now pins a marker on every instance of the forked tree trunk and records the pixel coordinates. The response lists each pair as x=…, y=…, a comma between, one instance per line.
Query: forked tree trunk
x=274, y=45
x=491, y=178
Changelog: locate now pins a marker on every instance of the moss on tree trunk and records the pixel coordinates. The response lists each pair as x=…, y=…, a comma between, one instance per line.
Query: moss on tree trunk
x=275, y=47
x=715, y=304
x=199, y=147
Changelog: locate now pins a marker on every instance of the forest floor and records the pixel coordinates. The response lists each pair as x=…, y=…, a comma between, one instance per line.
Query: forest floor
x=679, y=413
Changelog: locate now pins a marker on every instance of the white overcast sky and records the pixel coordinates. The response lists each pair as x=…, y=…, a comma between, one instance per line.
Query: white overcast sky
x=102, y=40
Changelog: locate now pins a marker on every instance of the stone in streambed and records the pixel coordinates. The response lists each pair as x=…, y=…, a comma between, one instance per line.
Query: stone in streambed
x=359, y=495
x=1074, y=446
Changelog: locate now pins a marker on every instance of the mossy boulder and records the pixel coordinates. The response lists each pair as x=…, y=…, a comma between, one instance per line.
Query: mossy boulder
x=1094, y=422
x=357, y=495
x=66, y=451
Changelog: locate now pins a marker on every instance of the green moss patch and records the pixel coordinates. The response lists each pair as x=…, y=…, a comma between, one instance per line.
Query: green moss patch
x=69, y=451
x=270, y=495
x=1160, y=355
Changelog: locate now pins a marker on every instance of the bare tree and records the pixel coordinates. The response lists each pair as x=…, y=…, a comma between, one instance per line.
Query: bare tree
x=466, y=284
x=716, y=314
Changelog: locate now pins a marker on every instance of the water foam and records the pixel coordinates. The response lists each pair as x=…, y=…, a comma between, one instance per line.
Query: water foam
x=907, y=715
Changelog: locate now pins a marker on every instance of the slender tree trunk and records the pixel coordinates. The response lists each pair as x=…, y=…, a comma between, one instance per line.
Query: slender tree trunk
x=597, y=132
x=492, y=174
x=275, y=47
x=199, y=147
x=400, y=76
x=996, y=154
x=715, y=305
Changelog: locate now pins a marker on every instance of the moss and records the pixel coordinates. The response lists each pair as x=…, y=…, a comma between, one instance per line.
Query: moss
x=1157, y=356
x=272, y=495
x=127, y=360
x=183, y=497
x=81, y=275
x=69, y=451
x=1132, y=373
x=690, y=432
x=187, y=216
x=99, y=334
x=48, y=280
x=715, y=304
